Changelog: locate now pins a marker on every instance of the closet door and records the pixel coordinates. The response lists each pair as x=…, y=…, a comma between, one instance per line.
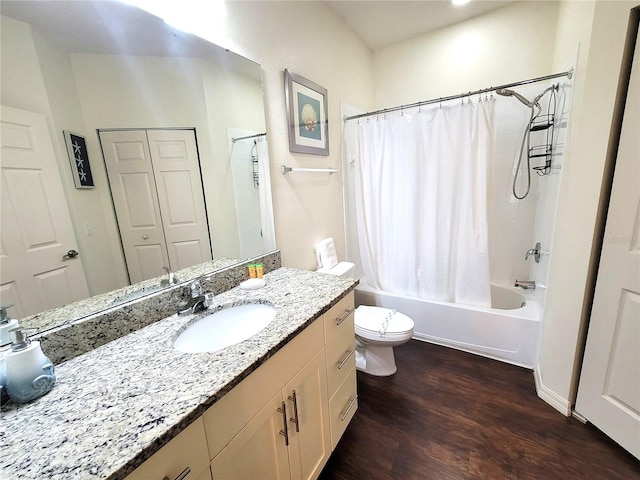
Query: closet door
x=135, y=198
x=177, y=174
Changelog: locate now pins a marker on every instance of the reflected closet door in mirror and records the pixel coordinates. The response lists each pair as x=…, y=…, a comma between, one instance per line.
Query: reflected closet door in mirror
x=155, y=182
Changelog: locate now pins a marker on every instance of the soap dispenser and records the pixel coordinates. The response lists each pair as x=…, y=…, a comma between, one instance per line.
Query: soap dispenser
x=6, y=324
x=30, y=374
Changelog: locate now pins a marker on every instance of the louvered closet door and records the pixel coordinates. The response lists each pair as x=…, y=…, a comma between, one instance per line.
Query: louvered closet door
x=135, y=198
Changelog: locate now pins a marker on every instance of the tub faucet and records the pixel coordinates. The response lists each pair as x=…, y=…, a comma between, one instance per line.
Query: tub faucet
x=535, y=251
x=526, y=284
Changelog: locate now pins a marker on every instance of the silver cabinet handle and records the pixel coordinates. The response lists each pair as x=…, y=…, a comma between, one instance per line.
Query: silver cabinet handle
x=344, y=317
x=294, y=399
x=348, y=409
x=182, y=476
x=346, y=357
x=285, y=432
x=70, y=254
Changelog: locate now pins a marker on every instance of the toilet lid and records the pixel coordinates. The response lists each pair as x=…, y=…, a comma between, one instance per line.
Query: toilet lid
x=371, y=318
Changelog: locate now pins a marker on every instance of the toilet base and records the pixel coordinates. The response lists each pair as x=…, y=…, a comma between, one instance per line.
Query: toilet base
x=376, y=360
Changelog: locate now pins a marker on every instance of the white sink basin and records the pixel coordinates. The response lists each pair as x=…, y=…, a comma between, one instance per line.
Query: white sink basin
x=224, y=328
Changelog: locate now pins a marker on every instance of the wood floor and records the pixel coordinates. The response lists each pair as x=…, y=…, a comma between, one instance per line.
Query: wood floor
x=451, y=415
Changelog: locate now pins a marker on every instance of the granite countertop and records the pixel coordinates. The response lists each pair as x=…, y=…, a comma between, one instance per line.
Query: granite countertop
x=114, y=406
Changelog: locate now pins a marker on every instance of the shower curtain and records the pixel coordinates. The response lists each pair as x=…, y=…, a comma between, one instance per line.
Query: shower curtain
x=421, y=200
x=266, y=212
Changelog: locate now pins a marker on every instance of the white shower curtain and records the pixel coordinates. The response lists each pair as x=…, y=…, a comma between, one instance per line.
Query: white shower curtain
x=266, y=212
x=421, y=200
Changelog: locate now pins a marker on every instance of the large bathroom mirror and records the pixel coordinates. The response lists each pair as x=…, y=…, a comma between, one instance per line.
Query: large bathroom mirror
x=93, y=66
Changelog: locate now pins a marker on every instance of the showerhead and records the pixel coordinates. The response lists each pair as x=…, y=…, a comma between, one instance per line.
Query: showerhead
x=505, y=92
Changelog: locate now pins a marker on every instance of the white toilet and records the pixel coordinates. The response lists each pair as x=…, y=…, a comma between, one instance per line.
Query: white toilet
x=377, y=329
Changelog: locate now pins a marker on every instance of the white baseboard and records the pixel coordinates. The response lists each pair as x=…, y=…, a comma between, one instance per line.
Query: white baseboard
x=552, y=398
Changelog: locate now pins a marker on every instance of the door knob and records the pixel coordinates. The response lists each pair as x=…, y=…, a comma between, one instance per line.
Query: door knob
x=144, y=237
x=70, y=254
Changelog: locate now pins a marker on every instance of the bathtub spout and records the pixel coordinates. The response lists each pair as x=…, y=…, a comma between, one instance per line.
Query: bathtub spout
x=526, y=284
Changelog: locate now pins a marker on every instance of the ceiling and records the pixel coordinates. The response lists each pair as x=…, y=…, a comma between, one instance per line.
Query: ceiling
x=98, y=26
x=382, y=22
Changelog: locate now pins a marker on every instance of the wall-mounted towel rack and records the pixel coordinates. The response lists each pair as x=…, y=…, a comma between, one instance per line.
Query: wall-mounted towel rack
x=284, y=169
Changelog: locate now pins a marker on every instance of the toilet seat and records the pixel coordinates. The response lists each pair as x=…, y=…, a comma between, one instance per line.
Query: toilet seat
x=368, y=320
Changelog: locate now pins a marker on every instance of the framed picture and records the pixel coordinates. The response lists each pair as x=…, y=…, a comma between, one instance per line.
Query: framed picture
x=307, y=115
x=79, y=159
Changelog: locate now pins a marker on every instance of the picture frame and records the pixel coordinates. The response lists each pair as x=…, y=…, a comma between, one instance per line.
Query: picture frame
x=79, y=159
x=307, y=115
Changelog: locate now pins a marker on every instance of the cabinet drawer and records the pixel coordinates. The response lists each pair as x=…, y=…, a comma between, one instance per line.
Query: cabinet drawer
x=335, y=320
x=187, y=450
x=342, y=407
x=341, y=356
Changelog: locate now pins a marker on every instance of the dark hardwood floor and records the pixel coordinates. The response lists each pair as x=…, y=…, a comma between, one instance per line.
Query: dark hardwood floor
x=447, y=414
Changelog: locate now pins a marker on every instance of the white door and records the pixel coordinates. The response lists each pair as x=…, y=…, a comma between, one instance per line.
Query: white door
x=135, y=198
x=157, y=193
x=609, y=389
x=36, y=227
x=179, y=184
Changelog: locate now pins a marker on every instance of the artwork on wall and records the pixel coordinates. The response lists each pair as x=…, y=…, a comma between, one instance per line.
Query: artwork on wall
x=307, y=115
x=79, y=159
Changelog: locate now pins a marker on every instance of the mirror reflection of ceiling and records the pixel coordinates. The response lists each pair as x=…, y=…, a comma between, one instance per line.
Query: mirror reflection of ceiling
x=100, y=34
x=111, y=27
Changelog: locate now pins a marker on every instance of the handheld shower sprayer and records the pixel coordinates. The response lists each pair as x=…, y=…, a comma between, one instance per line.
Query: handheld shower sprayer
x=505, y=92
x=533, y=105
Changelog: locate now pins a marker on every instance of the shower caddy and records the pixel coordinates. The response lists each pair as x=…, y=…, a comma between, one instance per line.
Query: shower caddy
x=543, y=153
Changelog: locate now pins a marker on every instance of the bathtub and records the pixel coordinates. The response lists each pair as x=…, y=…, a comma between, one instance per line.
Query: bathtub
x=508, y=331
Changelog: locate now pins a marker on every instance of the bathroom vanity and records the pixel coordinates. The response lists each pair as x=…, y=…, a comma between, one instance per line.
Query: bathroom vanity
x=136, y=408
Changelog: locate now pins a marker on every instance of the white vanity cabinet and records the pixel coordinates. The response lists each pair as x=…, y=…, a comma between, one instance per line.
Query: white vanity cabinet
x=280, y=422
x=275, y=423
x=183, y=457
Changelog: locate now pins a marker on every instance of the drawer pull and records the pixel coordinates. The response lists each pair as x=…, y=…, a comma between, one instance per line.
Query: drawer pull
x=285, y=432
x=294, y=419
x=344, y=317
x=345, y=413
x=182, y=476
x=346, y=357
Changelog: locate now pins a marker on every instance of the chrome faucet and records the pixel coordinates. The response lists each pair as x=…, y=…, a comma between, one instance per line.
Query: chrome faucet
x=535, y=251
x=525, y=284
x=172, y=280
x=199, y=301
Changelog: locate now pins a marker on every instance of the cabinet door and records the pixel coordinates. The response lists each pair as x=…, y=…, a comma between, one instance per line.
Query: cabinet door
x=308, y=413
x=259, y=450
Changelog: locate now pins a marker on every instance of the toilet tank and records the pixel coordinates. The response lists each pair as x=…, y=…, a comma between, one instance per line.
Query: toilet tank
x=342, y=269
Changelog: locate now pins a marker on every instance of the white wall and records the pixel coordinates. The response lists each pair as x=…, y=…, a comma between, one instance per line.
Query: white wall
x=502, y=46
x=308, y=39
x=27, y=59
x=600, y=29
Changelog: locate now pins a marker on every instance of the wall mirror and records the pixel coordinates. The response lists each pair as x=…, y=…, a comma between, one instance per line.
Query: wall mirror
x=93, y=66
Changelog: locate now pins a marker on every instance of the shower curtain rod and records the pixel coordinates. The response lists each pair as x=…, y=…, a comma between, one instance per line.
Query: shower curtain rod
x=234, y=140
x=567, y=74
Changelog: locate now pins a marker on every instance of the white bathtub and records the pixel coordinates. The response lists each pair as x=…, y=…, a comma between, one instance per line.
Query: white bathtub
x=509, y=331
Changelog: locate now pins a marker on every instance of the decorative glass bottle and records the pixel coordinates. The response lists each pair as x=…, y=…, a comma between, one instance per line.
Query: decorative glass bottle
x=30, y=374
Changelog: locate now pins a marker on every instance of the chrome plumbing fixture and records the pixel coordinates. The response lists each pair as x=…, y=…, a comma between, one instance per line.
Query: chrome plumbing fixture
x=525, y=284
x=172, y=280
x=535, y=251
x=199, y=300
